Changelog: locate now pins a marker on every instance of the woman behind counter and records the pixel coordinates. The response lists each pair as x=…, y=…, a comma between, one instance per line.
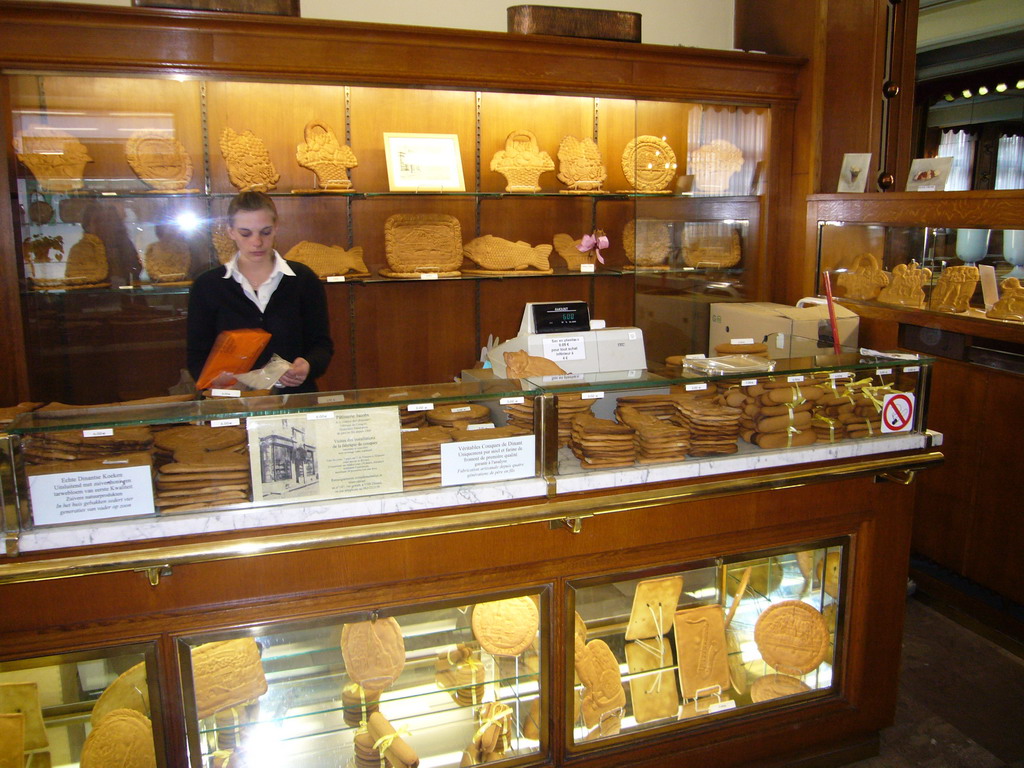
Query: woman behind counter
x=259, y=289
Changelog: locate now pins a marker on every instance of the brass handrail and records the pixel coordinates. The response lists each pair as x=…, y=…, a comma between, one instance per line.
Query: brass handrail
x=157, y=560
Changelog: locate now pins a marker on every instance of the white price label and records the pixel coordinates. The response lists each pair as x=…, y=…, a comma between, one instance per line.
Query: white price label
x=721, y=706
x=226, y=392
x=698, y=356
x=794, y=379
x=462, y=409
x=840, y=375
x=512, y=400
x=225, y=422
x=335, y=278
x=320, y=415
x=331, y=399
x=97, y=432
x=741, y=341
x=696, y=387
x=912, y=369
x=421, y=407
x=410, y=429
x=428, y=276
x=587, y=267
x=479, y=426
x=884, y=371
x=591, y=395
x=748, y=382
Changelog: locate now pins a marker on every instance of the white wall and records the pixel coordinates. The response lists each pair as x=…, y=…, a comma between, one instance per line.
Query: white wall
x=700, y=23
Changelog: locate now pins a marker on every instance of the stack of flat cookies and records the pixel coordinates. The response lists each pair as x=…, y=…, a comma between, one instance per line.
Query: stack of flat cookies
x=602, y=443
x=660, y=406
x=463, y=435
x=412, y=419
x=364, y=753
x=520, y=414
x=655, y=440
x=54, y=448
x=460, y=672
x=421, y=457
x=714, y=429
x=568, y=408
x=358, y=703
x=199, y=466
x=458, y=415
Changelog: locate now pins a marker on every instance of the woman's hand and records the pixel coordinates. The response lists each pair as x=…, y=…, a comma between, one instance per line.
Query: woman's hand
x=295, y=375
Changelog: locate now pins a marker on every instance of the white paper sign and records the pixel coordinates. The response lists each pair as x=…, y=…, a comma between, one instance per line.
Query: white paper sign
x=96, y=494
x=484, y=461
x=565, y=348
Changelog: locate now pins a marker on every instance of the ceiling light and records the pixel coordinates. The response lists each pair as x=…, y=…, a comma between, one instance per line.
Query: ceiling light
x=1020, y=85
x=1001, y=87
x=983, y=90
x=949, y=97
x=967, y=93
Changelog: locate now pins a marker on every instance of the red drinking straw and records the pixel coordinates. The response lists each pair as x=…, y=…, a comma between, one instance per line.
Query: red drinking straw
x=831, y=312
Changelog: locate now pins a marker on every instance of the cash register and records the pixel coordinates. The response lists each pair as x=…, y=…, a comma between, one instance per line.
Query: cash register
x=563, y=332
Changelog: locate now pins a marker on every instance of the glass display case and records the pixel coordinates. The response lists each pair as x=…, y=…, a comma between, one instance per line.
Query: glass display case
x=968, y=271
x=78, y=707
x=676, y=648
x=442, y=685
x=162, y=469
x=123, y=183
x=955, y=256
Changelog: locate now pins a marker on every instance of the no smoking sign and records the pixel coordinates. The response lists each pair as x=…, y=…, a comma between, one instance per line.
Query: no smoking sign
x=898, y=412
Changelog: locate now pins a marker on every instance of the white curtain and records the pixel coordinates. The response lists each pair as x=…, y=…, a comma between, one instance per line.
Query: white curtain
x=710, y=131
x=960, y=146
x=1010, y=163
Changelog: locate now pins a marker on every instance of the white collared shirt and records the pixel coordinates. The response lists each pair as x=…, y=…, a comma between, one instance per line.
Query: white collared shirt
x=259, y=296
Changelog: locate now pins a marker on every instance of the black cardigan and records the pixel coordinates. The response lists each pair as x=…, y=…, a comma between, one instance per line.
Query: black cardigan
x=296, y=318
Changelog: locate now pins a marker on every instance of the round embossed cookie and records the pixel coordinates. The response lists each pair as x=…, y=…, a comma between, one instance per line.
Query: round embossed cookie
x=374, y=652
x=792, y=637
x=506, y=627
x=129, y=691
x=123, y=738
x=775, y=687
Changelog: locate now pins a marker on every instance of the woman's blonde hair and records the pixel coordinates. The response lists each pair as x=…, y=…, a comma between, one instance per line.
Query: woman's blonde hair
x=251, y=201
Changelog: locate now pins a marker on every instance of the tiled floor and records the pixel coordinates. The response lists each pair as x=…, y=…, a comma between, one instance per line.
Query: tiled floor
x=961, y=701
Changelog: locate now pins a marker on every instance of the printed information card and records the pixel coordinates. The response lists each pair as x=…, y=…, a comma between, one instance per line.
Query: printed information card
x=484, y=461
x=94, y=494
x=357, y=452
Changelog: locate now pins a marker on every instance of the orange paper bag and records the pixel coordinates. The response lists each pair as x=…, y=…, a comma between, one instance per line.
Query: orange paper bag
x=233, y=352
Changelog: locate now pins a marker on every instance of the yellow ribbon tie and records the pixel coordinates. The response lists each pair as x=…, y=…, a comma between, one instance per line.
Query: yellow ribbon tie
x=790, y=431
x=831, y=423
x=383, y=744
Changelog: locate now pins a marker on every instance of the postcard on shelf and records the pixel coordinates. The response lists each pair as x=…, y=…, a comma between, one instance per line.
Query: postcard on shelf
x=853, y=176
x=424, y=162
x=929, y=174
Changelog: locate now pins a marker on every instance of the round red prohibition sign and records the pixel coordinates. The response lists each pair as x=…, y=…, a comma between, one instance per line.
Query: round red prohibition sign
x=897, y=412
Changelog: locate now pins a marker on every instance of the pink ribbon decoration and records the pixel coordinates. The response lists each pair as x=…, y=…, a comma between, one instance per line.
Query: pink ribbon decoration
x=594, y=242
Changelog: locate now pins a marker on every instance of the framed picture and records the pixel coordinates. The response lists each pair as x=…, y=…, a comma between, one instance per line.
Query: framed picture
x=424, y=162
x=929, y=174
x=853, y=176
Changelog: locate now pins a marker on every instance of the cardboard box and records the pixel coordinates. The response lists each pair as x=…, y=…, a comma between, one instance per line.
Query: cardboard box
x=788, y=331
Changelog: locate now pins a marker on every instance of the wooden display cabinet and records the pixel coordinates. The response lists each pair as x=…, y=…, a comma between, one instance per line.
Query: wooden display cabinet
x=193, y=74
x=962, y=520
